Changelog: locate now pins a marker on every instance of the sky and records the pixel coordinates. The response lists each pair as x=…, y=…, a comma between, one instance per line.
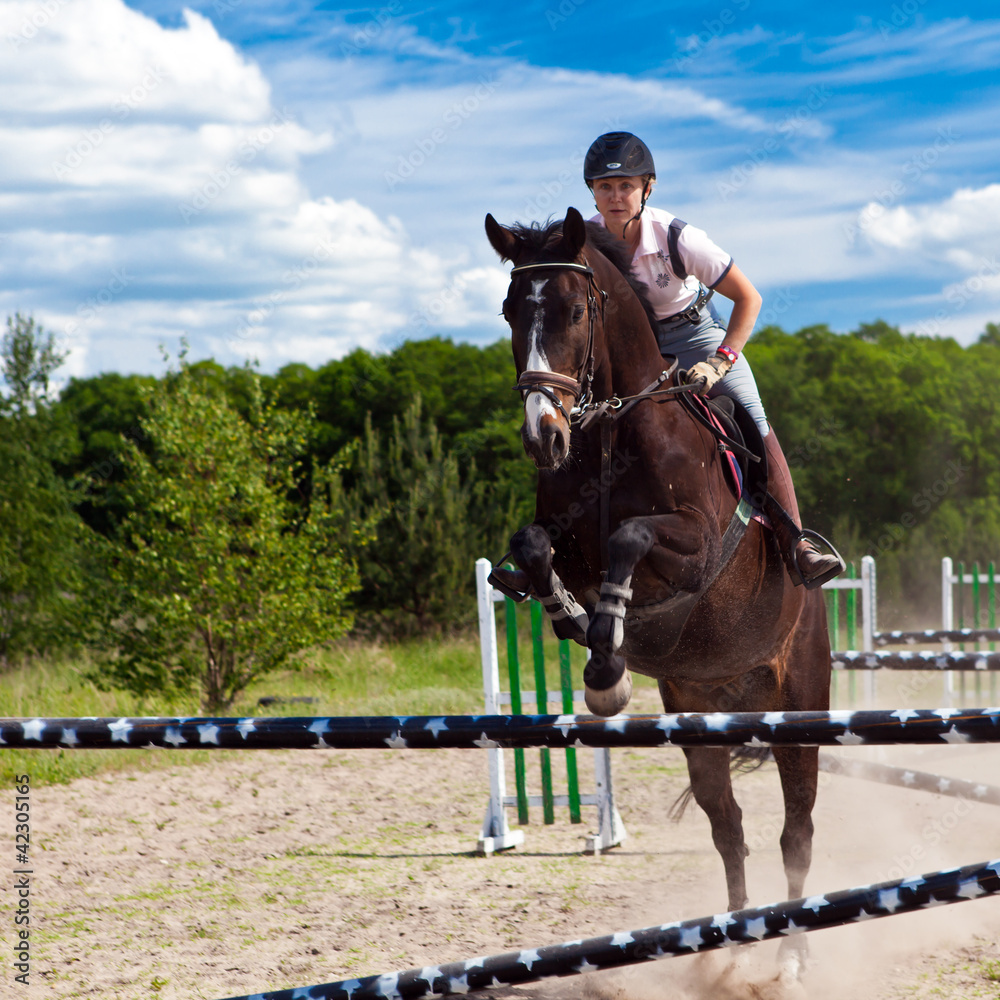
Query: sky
x=281, y=182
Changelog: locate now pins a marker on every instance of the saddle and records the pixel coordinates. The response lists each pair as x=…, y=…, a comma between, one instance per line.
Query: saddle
x=744, y=449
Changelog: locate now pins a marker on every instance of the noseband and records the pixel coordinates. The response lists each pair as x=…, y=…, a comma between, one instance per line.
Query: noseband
x=581, y=386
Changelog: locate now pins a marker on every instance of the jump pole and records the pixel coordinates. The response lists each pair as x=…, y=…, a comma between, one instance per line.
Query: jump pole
x=906, y=777
x=489, y=732
x=723, y=930
x=497, y=834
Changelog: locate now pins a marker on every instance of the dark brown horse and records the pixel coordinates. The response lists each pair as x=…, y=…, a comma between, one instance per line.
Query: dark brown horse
x=720, y=630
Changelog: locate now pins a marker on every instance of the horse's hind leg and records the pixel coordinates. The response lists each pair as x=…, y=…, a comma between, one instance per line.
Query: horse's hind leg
x=712, y=787
x=531, y=550
x=798, y=767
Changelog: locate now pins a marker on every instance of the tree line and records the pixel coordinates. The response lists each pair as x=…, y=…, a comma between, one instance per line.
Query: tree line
x=196, y=530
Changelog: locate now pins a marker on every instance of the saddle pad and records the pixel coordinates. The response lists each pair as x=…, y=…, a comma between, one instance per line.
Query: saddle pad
x=734, y=473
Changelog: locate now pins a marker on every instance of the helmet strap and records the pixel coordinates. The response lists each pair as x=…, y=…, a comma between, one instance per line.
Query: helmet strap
x=637, y=214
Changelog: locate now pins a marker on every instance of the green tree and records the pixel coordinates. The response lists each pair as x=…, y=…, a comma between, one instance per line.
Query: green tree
x=215, y=577
x=433, y=518
x=991, y=335
x=39, y=533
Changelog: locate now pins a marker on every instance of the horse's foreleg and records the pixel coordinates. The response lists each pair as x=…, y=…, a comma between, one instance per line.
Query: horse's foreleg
x=712, y=787
x=531, y=550
x=606, y=678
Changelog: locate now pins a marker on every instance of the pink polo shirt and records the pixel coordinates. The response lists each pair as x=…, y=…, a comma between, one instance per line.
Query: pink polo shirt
x=706, y=263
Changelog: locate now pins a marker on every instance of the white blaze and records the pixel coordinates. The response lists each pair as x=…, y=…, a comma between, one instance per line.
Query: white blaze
x=537, y=405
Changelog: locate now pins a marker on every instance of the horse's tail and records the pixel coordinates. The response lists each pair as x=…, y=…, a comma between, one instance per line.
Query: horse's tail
x=742, y=760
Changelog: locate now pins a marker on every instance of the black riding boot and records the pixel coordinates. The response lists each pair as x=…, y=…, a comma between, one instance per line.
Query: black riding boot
x=806, y=564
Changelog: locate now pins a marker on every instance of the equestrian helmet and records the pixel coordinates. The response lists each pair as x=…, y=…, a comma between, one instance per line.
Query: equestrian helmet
x=618, y=154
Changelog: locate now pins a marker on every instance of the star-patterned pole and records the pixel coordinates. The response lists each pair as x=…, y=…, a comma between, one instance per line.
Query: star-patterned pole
x=914, y=660
x=755, y=729
x=682, y=938
x=905, y=777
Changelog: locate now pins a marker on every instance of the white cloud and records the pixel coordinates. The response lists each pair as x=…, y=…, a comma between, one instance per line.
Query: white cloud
x=960, y=230
x=155, y=192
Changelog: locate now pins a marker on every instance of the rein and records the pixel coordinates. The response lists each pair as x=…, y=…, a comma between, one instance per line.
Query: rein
x=586, y=412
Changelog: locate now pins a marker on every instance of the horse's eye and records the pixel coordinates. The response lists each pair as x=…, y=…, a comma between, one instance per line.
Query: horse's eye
x=577, y=313
x=505, y=310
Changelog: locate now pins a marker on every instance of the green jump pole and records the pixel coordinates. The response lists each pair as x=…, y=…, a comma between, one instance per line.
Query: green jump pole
x=976, y=623
x=542, y=694
x=514, y=671
x=572, y=776
x=852, y=632
x=992, y=604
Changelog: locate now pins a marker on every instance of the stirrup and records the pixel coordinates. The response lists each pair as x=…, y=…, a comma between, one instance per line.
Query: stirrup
x=817, y=581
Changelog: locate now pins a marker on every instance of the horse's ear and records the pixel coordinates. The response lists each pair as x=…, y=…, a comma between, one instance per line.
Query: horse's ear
x=574, y=233
x=501, y=239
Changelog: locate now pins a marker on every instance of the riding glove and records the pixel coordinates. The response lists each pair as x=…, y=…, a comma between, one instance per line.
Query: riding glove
x=705, y=374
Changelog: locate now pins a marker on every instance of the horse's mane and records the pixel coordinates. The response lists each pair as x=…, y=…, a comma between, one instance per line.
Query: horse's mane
x=545, y=235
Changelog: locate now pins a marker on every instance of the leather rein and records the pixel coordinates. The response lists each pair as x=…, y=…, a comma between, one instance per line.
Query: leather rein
x=585, y=411
x=581, y=386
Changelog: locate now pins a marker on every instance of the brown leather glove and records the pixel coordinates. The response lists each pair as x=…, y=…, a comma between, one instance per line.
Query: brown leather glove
x=705, y=374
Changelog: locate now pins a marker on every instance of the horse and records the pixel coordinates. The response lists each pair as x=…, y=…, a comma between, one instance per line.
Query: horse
x=631, y=549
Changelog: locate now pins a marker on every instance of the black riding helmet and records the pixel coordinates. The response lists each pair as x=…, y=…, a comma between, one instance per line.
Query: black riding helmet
x=618, y=154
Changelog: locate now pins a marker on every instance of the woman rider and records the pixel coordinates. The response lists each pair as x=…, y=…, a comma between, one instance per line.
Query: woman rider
x=677, y=263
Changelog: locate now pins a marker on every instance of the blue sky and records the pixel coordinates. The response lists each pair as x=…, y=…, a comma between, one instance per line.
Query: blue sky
x=285, y=181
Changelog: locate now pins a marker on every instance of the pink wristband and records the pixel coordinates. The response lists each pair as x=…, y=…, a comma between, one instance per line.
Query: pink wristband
x=728, y=353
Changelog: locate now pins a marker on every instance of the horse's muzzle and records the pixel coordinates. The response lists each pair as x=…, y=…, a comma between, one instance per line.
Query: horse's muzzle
x=548, y=446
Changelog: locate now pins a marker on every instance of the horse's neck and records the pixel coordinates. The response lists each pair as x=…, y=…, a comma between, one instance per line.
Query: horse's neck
x=633, y=357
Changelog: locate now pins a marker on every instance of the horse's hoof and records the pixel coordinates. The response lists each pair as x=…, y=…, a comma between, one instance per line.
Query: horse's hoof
x=612, y=700
x=793, y=957
x=512, y=583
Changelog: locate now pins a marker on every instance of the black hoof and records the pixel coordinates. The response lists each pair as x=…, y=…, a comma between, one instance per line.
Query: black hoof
x=513, y=583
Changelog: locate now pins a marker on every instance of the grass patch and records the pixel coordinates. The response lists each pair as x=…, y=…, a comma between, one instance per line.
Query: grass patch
x=429, y=676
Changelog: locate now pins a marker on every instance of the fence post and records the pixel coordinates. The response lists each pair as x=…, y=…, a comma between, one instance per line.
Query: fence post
x=496, y=835
x=542, y=708
x=868, y=622
x=947, y=624
x=572, y=773
x=610, y=828
x=514, y=677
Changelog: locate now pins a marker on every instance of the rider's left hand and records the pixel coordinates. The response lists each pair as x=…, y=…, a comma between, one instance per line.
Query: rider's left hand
x=705, y=374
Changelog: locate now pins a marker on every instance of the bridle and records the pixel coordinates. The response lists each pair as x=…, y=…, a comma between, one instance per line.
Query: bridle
x=581, y=386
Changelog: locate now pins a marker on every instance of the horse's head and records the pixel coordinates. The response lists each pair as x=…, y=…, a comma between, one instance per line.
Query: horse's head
x=551, y=310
